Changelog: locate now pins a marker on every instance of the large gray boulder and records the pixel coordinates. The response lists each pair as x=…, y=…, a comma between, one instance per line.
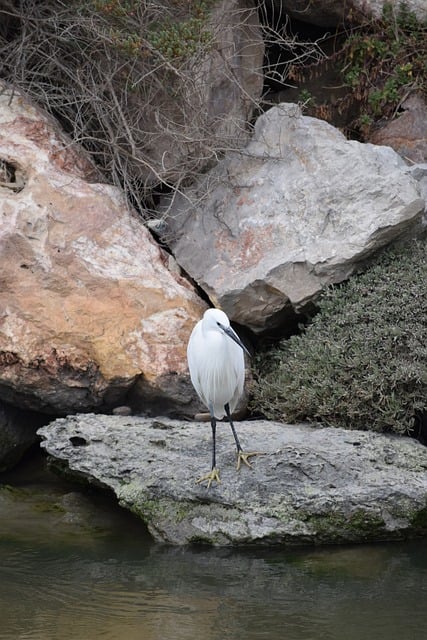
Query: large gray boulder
x=313, y=485
x=299, y=208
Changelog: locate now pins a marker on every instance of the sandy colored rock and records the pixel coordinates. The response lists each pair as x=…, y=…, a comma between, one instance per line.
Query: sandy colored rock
x=88, y=307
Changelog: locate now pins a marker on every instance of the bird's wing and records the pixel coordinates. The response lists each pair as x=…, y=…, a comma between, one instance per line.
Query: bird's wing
x=238, y=360
x=193, y=358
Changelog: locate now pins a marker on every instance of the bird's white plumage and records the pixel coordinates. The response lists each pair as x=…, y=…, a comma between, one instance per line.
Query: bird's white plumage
x=216, y=362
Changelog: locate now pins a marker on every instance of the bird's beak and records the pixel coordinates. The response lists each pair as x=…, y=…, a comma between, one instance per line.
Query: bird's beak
x=233, y=335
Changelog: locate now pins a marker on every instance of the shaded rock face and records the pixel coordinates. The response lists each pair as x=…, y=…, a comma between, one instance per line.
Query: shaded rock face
x=299, y=208
x=419, y=172
x=313, y=485
x=17, y=434
x=226, y=84
x=88, y=308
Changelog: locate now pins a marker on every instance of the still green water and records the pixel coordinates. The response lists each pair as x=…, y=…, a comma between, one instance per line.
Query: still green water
x=73, y=566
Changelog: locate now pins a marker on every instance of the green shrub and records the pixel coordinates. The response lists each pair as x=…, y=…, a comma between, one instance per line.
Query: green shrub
x=362, y=363
x=382, y=62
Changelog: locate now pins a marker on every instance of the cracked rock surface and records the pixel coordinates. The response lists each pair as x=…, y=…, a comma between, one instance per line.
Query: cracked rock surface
x=312, y=485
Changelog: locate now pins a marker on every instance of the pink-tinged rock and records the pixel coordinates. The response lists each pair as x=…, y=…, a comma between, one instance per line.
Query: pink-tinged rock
x=407, y=134
x=88, y=307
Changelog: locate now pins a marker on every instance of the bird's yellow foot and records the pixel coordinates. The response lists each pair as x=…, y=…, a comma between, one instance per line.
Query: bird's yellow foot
x=210, y=477
x=244, y=457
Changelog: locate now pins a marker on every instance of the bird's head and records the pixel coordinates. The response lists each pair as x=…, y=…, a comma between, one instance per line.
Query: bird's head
x=214, y=319
x=217, y=320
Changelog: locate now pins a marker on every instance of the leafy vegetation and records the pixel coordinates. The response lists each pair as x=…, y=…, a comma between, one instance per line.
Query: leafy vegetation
x=383, y=61
x=369, y=71
x=180, y=34
x=362, y=363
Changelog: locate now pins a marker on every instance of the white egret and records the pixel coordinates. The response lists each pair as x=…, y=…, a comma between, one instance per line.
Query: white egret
x=217, y=370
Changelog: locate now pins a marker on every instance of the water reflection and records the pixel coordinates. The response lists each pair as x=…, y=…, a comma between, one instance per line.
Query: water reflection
x=93, y=573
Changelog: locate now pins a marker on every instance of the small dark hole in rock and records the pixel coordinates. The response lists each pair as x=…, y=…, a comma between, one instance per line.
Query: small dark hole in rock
x=11, y=176
x=158, y=443
x=77, y=441
x=159, y=425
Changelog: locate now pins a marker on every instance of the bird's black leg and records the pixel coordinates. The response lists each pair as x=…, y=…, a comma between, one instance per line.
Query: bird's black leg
x=213, y=475
x=213, y=425
x=241, y=455
x=236, y=439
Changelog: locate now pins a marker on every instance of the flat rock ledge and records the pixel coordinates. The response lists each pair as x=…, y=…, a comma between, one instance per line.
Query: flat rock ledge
x=312, y=485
